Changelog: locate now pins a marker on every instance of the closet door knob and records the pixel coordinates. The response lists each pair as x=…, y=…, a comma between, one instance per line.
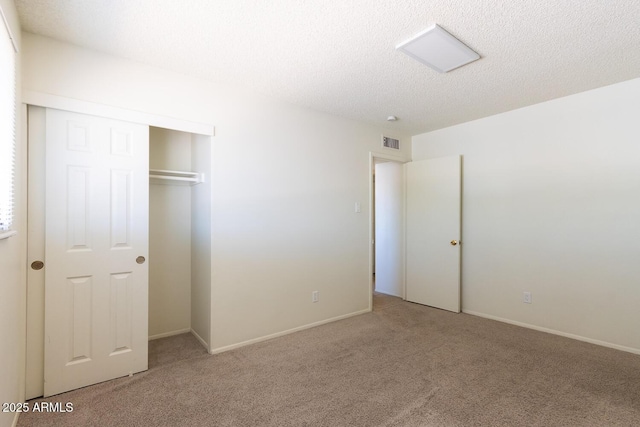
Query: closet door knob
x=140, y=260
x=37, y=265
x=454, y=242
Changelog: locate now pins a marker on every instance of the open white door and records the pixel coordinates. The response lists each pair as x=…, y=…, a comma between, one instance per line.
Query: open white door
x=96, y=277
x=433, y=190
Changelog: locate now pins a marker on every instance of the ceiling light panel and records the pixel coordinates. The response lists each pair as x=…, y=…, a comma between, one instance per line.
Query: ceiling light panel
x=438, y=49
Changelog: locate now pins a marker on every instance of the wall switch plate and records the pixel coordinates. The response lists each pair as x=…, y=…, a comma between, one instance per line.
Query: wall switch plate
x=358, y=210
x=315, y=296
x=526, y=298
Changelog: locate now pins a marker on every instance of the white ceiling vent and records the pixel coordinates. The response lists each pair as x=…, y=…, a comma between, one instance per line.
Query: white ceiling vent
x=390, y=142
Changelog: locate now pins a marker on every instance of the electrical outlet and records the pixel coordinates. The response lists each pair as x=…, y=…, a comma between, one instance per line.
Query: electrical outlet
x=315, y=296
x=526, y=298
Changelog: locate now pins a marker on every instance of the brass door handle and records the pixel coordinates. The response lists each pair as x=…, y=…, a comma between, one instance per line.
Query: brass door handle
x=454, y=242
x=140, y=260
x=37, y=265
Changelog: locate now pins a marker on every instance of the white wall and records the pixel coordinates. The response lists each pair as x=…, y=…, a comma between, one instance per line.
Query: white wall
x=285, y=181
x=551, y=206
x=284, y=220
x=12, y=261
x=169, y=236
x=389, y=228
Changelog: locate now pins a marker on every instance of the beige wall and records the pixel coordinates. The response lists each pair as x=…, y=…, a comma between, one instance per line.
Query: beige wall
x=285, y=180
x=12, y=272
x=551, y=206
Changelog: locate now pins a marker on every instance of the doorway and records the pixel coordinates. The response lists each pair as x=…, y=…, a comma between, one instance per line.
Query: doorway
x=415, y=230
x=388, y=228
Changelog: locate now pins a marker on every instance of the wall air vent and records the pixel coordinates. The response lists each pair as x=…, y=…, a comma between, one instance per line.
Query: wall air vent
x=390, y=143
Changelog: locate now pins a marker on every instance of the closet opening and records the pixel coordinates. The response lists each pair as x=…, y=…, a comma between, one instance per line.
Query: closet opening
x=165, y=250
x=179, y=234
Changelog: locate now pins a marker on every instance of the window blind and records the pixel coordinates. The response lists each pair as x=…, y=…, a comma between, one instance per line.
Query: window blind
x=7, y=128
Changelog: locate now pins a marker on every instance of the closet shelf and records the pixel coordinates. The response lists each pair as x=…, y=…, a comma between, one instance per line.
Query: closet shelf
x=159, y=176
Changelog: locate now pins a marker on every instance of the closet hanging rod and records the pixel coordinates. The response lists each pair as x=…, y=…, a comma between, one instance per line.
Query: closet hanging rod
x=178, y=176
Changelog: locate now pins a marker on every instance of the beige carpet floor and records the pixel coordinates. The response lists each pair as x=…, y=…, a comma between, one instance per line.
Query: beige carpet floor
x=401, y=365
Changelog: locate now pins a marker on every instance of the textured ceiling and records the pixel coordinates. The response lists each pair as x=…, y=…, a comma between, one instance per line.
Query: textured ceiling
x=339, y=56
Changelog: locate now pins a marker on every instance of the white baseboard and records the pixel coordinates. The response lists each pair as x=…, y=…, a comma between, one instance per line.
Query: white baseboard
x=287, y=332
x=169, y=334
x=199, y=338
x=555, y=332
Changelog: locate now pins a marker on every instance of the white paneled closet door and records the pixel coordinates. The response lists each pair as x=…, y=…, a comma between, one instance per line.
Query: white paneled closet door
x=96, y=274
